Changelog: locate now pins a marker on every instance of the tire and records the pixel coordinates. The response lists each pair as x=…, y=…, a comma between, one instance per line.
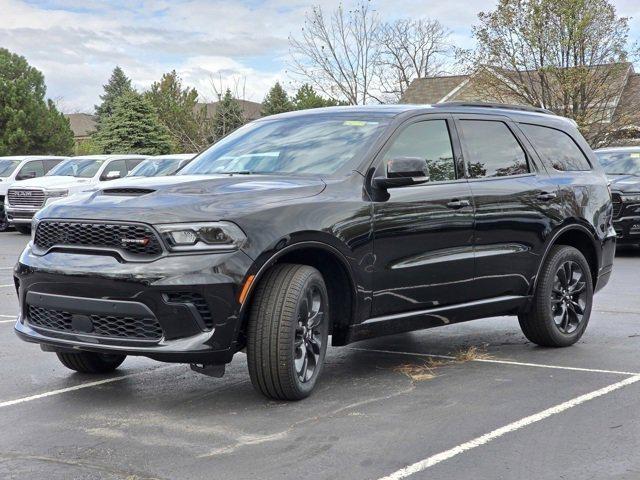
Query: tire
x=89, y=362
x=561, y=309
x=23, y=229
x=284, y=355
x=4, y=223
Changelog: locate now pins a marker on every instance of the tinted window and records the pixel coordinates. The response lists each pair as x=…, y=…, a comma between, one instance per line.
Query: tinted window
x=133, y=163
x=49, y=164
x=492, y=149
x=429, y=141
x=31, y=170
x=311, y=144
x=115, y=169
x=620, y=163
x=556, y=148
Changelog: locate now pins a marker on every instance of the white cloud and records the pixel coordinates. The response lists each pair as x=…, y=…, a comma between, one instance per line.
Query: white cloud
x=243, y=43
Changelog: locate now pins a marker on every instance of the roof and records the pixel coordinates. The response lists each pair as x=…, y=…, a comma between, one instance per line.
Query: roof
x=432, y=89
x=108, y=157
x=177, y=156
x=33, y=157
x=252, y=110
x=82, y=124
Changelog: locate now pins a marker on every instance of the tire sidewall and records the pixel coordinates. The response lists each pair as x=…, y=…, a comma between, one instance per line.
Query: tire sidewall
x=564, y=255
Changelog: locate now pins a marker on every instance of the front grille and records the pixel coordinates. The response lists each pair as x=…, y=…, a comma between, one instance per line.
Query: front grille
x=197, y=301
x=21, y=215
x=19, y=197
x=617, y=204
x=137, y=240
x=103, y=325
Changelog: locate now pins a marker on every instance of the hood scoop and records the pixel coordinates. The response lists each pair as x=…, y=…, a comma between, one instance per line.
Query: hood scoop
x=127, y=192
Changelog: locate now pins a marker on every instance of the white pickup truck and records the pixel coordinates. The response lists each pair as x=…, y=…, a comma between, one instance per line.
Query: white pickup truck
x=74, y=175
x=17, y=168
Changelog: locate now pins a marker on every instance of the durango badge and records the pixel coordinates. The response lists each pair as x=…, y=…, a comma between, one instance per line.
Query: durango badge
x=135, y=241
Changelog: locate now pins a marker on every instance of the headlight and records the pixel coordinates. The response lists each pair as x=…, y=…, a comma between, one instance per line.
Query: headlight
x=185, y=237
x=631, y=197
x=57, y=193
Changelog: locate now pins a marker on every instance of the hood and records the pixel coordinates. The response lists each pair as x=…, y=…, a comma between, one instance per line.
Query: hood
x=57, y=182
x=183, y=198
x=624, y=183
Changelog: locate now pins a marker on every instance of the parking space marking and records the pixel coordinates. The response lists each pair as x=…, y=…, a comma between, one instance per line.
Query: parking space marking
x=7, y=321
x=503, y=362
x=7, y=286
x=80, y=387
x=512, y=427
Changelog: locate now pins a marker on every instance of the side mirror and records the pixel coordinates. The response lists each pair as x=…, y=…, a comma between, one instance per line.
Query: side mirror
x=112, y=175
x=403, y=171
x=26, y=175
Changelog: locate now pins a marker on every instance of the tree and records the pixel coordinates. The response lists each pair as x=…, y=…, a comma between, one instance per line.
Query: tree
x=228, y=116
x=133, y=127
x=276, y=101
x=411, y=49
x=338, y=54
x=307, y=97
x=29, y=124
x=178, y=111
x=564, y=55
x=118, y=85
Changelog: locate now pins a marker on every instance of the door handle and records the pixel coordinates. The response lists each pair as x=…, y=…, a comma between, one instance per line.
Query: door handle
x=456, y=204
x=546, y=196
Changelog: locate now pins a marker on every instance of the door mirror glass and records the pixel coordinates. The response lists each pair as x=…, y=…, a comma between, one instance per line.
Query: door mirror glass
x=26, y=175
x=112, y=175
x=403, y=171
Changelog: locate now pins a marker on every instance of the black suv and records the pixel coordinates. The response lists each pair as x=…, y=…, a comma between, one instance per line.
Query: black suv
x=353, y=222
x=622, y=166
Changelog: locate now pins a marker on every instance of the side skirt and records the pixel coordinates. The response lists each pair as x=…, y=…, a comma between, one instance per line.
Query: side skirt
x=437, y=317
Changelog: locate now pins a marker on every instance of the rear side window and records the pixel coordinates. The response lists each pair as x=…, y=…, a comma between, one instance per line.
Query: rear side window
x=430, y=141
x=556, y=148
x=492, y=149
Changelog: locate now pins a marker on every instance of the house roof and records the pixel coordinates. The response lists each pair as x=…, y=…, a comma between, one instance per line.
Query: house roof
x=82, y=124
x=432, y=89
x=252, y=110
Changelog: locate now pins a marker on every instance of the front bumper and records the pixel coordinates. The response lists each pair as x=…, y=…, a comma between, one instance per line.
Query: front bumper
x=628, y=230
x=99, y=303
x=20, y=215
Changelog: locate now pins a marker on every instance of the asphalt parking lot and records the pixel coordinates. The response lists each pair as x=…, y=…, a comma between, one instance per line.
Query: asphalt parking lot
x=390, y=408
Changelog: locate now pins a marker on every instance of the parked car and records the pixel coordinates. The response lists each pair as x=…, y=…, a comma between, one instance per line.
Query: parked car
x=622, y=166
x=13, y=169
x=353, y=222
x=71, y=176
x=161, y=165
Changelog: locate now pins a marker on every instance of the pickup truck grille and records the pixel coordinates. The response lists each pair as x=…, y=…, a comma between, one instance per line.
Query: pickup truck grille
x=19, y=197
x=137, y=240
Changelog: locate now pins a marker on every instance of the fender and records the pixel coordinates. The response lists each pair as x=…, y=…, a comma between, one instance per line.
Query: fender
x=271, y=260
x=552, y=242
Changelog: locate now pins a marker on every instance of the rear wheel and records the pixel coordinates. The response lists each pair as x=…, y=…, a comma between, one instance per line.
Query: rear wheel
x=23, y=229
x=288, y=332
x=563, y=299
x=90, y=362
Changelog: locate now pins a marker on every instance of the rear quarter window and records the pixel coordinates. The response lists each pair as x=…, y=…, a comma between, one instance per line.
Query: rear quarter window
x=556, y=148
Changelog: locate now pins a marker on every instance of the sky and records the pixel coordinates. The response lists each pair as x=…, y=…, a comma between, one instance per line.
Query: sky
x=241, y=44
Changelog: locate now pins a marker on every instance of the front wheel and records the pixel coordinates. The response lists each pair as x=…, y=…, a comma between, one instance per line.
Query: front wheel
x=90, y=362
x=4, y=223
x=562, y=302
x=23, y=229
x=288, y=332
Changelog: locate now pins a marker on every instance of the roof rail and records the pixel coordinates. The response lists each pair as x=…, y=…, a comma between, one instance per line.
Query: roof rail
x=504, y=106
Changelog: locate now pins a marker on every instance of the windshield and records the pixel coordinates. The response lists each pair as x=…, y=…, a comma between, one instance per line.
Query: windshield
x=81, y=168
x=299, y=145
x=159, y=167
x=620, y=163
x=8, y=166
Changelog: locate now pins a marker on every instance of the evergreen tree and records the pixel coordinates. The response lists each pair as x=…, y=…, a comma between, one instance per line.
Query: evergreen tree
x=178, y=111
x=228, y=116
x=29, y=124
x=118, y=85
x=276, y=101
x=133, y=127
x=306, y=97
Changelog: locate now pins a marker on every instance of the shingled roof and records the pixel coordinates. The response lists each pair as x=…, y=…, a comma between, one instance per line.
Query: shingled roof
x=82, y=124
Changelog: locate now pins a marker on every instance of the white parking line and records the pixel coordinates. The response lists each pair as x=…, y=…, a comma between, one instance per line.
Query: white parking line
x=503, y=362
x=8, y=285
x=79, y=387
x=7, y=321
x=512, y=427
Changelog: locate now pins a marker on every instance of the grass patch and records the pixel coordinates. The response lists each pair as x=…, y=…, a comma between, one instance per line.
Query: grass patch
x=417, y=373
x=470, y=354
